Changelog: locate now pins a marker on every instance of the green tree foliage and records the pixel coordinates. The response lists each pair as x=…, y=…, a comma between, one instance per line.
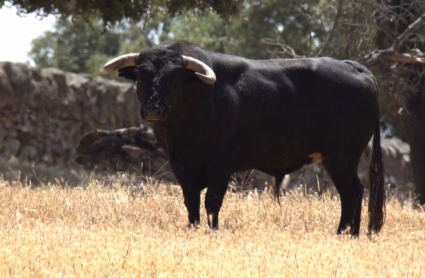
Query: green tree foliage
x=302, y=25
x=207, y=30
x=290, y=22
x=80, y=47
x=112, y=12
x=74, y=45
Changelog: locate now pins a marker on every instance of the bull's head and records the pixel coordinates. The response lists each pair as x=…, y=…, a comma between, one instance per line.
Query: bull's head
x=160, y=75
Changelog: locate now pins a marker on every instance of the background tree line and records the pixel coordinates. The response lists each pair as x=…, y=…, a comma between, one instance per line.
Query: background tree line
x=388, y=36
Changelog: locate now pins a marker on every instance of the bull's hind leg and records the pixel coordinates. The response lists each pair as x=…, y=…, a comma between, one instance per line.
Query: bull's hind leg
x=343, y=172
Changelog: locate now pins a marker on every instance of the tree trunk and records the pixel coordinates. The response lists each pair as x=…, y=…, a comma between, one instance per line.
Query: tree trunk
x=414, y=122
x=392, y=26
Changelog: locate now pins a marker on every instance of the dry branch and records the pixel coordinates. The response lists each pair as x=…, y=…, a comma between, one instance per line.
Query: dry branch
x=412, y=28
x=286, y=49
x=393, y=54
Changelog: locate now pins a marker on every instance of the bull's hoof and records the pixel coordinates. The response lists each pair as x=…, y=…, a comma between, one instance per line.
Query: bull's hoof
x=348, y=231
x=194, y=226
x=213, y=227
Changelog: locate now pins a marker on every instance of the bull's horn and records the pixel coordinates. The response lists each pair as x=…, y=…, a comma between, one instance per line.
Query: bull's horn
x=122, y=61
x=204, y=72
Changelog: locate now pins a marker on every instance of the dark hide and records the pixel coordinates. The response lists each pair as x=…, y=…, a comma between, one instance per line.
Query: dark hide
x=271, y=115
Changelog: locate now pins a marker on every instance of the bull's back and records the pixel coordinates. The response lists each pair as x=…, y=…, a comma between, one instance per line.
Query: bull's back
x=288, y=109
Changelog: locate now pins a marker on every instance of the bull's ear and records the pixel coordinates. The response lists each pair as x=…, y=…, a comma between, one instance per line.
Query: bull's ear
x=128, y=72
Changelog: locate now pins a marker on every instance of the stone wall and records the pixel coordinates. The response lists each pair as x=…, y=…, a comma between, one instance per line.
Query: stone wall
x=45, y=112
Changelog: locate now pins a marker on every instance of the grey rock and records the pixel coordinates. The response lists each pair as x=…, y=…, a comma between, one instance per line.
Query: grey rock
x=10, y=147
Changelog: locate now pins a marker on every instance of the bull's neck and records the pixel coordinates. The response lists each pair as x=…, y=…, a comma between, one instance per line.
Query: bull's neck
x=190, y=116
x=225, y=66
x=182, y=129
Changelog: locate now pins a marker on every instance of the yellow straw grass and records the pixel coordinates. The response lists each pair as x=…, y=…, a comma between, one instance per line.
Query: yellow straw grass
x=116, y=231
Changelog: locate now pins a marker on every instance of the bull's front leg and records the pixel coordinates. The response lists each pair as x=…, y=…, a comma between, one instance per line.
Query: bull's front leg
x=192, y=180
x=192, y=201
x=217, y=187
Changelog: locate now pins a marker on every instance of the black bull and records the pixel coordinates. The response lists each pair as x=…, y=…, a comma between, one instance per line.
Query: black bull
x=217, y=114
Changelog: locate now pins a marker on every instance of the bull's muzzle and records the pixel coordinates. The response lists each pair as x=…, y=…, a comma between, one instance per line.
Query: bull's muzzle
x=153, y=114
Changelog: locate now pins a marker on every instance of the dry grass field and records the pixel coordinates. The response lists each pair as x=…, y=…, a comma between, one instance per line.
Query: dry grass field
x=113, y=231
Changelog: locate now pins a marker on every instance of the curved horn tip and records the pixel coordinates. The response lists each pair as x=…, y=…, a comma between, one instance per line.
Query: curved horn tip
x=202, y=70
x=122, y=61
x=107, y=68
x=209, y=80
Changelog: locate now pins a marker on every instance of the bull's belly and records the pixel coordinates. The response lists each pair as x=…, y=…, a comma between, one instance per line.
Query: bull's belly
x=287, y=167
x=279, y=157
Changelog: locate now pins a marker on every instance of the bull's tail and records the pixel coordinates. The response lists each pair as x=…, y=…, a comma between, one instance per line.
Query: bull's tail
x=377, y=186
